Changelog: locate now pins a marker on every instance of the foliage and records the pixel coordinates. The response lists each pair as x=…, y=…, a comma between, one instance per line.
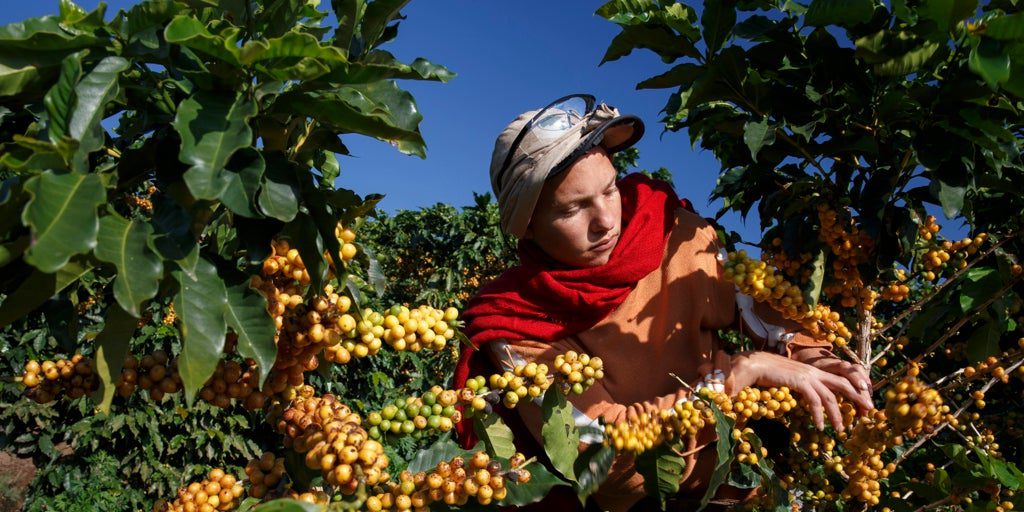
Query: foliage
x=846, y=124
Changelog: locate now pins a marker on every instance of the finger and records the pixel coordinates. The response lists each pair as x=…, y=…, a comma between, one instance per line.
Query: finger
x=813, y=400
x=846, y=388
x=831, y=406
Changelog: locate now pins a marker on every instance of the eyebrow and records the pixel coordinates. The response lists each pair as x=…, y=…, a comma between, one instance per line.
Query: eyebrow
x=579, y=199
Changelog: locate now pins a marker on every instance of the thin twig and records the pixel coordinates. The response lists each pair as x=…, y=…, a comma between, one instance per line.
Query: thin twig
x=935, y=291
x=951, y=332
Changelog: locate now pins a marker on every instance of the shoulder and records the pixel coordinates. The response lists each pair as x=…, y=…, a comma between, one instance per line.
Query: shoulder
x=691, y=226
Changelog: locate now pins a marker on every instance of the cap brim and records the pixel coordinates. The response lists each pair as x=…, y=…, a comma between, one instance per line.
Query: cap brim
x=614, y=136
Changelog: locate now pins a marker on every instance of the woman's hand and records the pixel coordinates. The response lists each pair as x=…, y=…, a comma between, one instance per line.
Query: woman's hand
x=822, y=359
x=817, y=387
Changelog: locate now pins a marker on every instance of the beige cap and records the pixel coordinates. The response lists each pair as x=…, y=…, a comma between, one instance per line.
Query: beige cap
x=543, y=154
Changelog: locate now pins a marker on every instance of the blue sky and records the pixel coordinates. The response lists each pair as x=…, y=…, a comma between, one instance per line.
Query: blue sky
x=510, y=57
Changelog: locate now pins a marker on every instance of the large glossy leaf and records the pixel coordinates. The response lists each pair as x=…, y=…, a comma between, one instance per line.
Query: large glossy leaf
x=592, y=469
x=279, y=190
x=839, y=12
x=445, y=448
x=125, y=243
x=60, y=99
x=212, y=127
x=724, y=453
x=21, y=71
x=381, y=65
x=190, y=32
x=92, y=94
x=40, y=286
x=243, y=175
x=495, y=435
x=812, y=290
x=946, y=13
x=717, y=21
x=662, y=468
x=757, y=134
x=561, y=439
x=377, y=16
x=62, y=215
x=990, y=62
x=292, y=44
x=348, y=13
x=149, y=14
x=908, y=62
x=662, y=41
x=681, y=75
x=1006, y=27
x=43, y=34
x=540, y=484
x=289, y=505
x=302, y=233
x=200, y=307
x=246, y=313
x=111, y=348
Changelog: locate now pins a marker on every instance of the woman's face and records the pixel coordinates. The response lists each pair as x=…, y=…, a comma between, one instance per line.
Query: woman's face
x=578, y=217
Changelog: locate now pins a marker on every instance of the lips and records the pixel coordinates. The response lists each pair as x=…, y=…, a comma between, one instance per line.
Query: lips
x=608, y=243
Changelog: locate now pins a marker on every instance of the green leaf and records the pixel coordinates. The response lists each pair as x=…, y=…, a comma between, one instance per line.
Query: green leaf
x=839, y=12
x=682, y=75
x=813, y=290
x=990, y=62
x=660, y=40
x=908, y=62
x=540, y=484
x=717, y=21
x=246, y=314
x=126, y=244
x=288, y=505
x=279, y=189
x=44, y=34
x=495, y=435
x=724, y=452
x=23, y=71
x=757, y=134
x=40, y=286
x=950, y=196
x=377, y=16
x=290, y=45
x=92, y=94
x=662, y=469
x=111, y=348
x=381, y=65
x=445, y=448
x=984, y=341
x=60, y=99
x=946, y=13
x=190, y=32
x=1006, y=27
x=62, y=215
x=212, y=127
x=243, y=174
x=770, y=482
x=349, y=13
x=149, y=14
x=200, y=307
x=592, y=468
x=977, y=287
x=561, y=439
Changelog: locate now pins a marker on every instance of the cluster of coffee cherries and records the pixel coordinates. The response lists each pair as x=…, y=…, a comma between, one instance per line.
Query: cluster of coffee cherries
x=745, y=453
x=911, y=409
x=529, y=380
x=416, y=329
x=688, y=417
x=230, y=381
x=940, y=259
x=764, y=283
x=265, y=474
x=218, y=491
x=170, y=316
x=577, y=372
x=333, y=440
x=850, y=247
x=433, y=410
x=452, y=482
x=71, y=377
x=792, y=267
x=155, y=373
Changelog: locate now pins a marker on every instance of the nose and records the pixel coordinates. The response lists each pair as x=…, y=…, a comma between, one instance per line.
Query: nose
x=603, y=220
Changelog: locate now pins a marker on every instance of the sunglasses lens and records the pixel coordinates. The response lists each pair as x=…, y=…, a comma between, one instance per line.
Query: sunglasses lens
x=558, y=118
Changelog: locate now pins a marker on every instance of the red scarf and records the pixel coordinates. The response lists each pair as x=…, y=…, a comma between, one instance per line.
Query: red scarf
x=544, y=300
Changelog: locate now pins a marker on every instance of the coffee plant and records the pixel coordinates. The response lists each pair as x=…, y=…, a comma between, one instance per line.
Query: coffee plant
x=197, y=317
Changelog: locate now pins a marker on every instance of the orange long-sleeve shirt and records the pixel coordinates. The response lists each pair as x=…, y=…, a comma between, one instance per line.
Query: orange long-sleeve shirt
x=666, y=326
